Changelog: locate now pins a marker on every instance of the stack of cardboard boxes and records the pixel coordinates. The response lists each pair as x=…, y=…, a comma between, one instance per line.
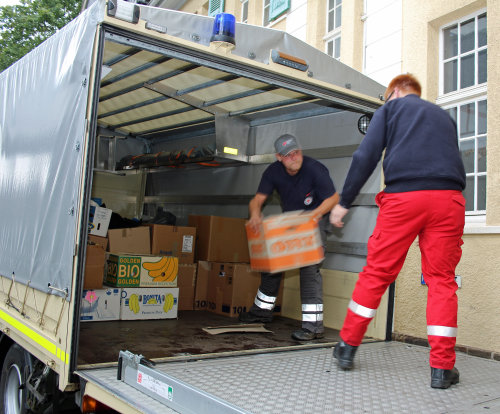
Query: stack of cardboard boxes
x=152, y=271
x=225, y=284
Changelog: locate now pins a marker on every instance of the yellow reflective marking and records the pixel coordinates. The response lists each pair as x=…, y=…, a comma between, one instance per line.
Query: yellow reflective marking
x=232, y=151
x=35, y=336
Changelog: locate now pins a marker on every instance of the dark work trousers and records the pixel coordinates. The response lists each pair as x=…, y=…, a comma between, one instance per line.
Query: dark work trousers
x=311, y=290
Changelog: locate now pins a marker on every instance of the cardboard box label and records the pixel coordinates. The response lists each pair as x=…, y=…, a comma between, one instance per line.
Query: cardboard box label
x=148, y=303
x=187, y=244
x=142, y=271
x=99, y=220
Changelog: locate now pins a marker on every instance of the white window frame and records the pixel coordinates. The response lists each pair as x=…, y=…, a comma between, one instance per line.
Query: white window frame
x=331, y=39
x=271, y=23
x=335, y=29
x=463, y=96
x=332, y=35
x=243, y=4
x=475, y=137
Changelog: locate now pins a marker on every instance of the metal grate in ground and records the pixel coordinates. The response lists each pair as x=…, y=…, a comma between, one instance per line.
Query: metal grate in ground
x=389, y=377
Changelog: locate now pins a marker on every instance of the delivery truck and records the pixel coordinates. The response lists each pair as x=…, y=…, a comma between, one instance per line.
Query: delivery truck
x=139, y=112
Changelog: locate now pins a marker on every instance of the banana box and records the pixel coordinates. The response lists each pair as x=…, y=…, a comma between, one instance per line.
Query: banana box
x=126, y=270
x=149, y=303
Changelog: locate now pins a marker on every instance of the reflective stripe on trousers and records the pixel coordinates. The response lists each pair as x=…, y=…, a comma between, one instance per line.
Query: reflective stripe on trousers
x=264, y=301
x=446, y=331
x=312, y=312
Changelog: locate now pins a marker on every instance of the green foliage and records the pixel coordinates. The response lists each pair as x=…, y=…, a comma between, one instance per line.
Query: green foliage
x=25, y=26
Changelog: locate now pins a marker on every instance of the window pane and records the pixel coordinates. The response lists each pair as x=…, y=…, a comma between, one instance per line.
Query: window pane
x=330, y=48
x=331, y=4
x=337, y=48
x=450, y=76
x=450, y=42
x=467, y=120
x=482, y=107
x=467, y=36
x=481, y=154
x=453, y=113
x=338, y=2
x=482, y=57
x=481, y=192
x=338, y=17
x=469, y=193
x=481, y=31
x=467, y=151
x=467, y=71
x=331, y=15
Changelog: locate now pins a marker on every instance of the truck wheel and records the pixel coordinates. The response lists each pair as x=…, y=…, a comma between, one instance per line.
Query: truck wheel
x=12, y=391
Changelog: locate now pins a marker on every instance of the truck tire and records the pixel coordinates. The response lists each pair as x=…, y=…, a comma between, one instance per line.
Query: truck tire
x=12, y=391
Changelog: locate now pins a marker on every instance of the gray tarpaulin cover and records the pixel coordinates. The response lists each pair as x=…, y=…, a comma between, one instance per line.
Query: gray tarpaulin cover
x=43, y=100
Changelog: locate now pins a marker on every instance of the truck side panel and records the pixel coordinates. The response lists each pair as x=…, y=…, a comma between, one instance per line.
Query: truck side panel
x=42, y=129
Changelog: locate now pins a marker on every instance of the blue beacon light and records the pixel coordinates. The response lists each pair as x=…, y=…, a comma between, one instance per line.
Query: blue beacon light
x=224, y=28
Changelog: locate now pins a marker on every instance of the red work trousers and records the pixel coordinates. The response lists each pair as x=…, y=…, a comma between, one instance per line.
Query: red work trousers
x=437, y=218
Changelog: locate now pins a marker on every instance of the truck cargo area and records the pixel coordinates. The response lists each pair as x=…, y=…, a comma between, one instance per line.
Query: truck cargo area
x=184, y=338
x=180, y=131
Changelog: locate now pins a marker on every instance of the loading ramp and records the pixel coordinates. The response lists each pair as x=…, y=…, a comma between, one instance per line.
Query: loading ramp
x=389, y=377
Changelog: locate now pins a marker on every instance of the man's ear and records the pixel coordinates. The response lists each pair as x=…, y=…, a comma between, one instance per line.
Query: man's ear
x=278, y=157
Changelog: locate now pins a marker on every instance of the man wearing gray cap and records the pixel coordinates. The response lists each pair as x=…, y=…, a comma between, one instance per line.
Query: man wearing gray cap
x=302, y=184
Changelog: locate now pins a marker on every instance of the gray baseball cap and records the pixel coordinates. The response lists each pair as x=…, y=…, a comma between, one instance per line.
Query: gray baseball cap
x=286, y=144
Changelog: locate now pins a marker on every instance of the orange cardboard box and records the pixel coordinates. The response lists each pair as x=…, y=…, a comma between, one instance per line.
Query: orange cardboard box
x=284, y=242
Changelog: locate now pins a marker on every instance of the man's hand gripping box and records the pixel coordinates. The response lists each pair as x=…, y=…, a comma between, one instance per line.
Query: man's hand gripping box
x=285, y=241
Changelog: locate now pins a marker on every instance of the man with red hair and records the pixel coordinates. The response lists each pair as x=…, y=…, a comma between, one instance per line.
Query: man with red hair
x=424, y=179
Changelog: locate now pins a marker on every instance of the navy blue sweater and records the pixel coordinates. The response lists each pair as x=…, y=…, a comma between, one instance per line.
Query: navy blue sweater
x=421, y=150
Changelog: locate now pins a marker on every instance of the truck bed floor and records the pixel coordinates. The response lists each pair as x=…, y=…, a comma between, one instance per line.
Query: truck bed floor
x=184, y=336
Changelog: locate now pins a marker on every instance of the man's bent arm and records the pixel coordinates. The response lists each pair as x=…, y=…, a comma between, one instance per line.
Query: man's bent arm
x=326, y=206
x=255, y=210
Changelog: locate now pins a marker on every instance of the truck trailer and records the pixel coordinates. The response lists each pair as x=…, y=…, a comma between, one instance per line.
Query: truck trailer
x=151, y=111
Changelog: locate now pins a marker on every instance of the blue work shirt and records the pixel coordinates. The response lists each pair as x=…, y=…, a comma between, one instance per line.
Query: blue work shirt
x=305, y=190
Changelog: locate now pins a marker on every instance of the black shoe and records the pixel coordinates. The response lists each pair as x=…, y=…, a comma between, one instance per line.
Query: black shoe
x=443, y=378
x=249, y=317
x=305, y=335
x=344, y=354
